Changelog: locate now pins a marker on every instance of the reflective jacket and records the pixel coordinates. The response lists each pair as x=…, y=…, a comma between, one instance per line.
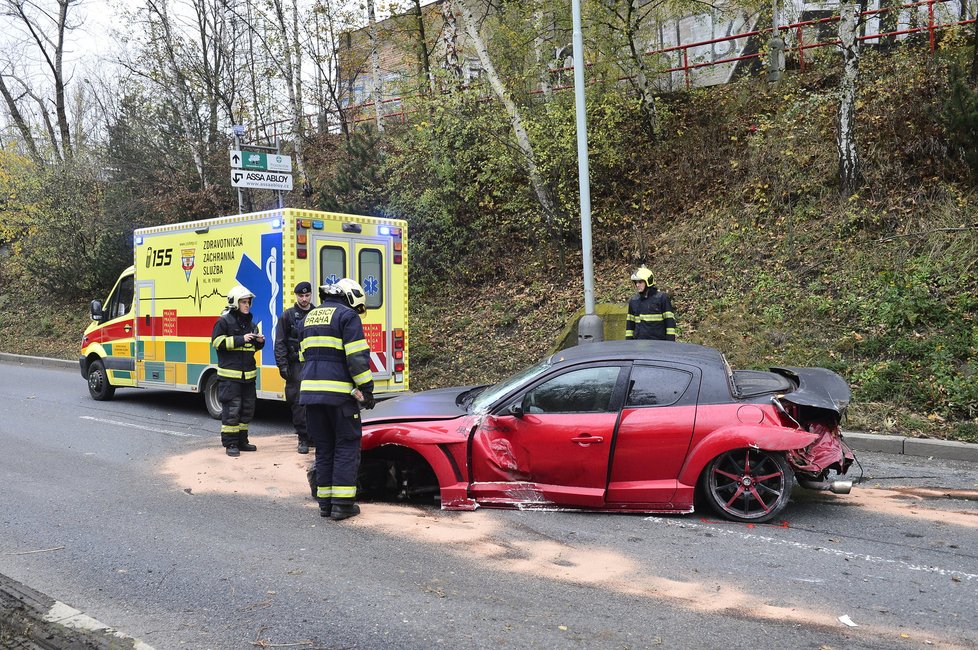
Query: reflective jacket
x=334, y=354
x=287, y=336
x=650, y=317
x=235, y=358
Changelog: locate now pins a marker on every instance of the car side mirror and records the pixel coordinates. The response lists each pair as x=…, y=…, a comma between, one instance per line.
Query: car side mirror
x=516, y=409
x=96, y=309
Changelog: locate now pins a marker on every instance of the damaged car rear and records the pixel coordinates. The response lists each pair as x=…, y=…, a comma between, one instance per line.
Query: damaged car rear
x=636, y=426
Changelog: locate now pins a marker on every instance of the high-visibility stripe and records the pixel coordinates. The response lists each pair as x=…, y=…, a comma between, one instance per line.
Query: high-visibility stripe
x=324, y=492
x=218, y=340
x=668, y=314
x=629, y=334
x=229, y=428
x=356, y=346
x=325, y=386
x=330, y=342
x=655, y=318
x=364, y=377
x=237, y=374
x=344, y=491
x=671, y=331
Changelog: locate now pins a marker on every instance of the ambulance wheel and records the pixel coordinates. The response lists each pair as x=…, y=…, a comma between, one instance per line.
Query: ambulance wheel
x=98, y=382
x=211, y=400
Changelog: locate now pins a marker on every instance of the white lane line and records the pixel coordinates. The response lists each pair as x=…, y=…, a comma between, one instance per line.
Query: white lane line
x=131, y=425
x=819, y=549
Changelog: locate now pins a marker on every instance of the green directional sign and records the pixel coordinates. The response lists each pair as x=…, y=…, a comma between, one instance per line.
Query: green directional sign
x=272, y=162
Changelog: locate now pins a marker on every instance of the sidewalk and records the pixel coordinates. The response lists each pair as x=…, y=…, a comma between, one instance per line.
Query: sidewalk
x=928, y=447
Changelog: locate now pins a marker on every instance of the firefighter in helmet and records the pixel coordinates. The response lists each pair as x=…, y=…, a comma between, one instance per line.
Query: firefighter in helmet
x=236, y=339
x=336, y=382
x=650, y=312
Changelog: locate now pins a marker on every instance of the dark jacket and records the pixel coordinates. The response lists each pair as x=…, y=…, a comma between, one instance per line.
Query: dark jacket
x=335, y=355
x=235, y=358
x=287, y=336
x=650, y=317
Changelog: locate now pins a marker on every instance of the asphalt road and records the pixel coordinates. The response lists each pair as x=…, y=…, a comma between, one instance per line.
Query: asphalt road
x=130, y=512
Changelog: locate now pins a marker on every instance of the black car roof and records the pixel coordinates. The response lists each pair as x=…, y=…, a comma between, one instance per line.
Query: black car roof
x=697, y=355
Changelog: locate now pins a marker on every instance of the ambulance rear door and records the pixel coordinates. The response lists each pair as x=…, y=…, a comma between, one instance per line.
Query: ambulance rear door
x=367, y=260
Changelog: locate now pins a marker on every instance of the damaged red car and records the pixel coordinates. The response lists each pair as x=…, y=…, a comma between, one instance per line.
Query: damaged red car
x=624, y=426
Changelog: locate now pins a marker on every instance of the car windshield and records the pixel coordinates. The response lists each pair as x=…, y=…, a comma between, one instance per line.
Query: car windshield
x=491, y=394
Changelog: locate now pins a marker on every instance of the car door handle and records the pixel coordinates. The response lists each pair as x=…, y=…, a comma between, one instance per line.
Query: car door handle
x=587, y=439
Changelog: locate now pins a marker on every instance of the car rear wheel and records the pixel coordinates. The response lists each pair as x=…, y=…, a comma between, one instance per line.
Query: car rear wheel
x=98, y=382
x=211, y=400
x=748, y=485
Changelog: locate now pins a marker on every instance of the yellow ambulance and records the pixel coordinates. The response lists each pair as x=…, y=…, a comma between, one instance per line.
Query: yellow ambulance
x=154, y=329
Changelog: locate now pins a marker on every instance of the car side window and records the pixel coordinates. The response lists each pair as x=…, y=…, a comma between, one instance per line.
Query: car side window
x=588, y=390
x=656, y=386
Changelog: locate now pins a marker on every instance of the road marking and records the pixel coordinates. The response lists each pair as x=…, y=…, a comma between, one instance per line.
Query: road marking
x=819, y=549
x=132, y=425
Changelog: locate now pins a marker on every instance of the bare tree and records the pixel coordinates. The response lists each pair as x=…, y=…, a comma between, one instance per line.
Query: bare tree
x=468, y=21
x=45, y=26
x=626, y=21
x=850, y=172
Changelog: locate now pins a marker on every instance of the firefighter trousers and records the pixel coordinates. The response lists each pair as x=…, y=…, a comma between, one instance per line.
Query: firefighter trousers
x=336, y=432
x=292, y=384
x=237, y=408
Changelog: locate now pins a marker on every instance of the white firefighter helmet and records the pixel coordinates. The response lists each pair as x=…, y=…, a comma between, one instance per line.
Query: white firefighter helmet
x=643, y=274
x=350, y=290
x=236, y=294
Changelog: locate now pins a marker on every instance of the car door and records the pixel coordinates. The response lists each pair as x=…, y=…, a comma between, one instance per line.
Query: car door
x=551, y=443
x=654, y=434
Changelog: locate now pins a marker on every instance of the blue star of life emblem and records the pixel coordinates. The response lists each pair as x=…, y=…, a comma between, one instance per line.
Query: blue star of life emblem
x=370, y=285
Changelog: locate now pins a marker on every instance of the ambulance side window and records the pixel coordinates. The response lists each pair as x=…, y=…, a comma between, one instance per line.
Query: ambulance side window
x=332, y=264
x=120, y=302
x=371, y=272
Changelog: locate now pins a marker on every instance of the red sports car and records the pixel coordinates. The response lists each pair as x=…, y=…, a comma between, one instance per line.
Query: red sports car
x=624, y=426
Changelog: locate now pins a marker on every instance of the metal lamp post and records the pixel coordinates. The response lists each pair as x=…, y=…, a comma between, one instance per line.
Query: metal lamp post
x=590, y=328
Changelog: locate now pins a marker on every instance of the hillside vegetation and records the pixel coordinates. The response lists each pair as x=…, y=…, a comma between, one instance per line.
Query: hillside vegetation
x=734, y=206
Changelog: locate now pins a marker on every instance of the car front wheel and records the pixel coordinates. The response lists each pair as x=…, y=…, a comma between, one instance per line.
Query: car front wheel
x=748, y=485
x=98, y=382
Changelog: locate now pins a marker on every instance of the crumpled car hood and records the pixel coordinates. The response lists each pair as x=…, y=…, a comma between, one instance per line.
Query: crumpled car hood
x=818, y=388
x=438, y=404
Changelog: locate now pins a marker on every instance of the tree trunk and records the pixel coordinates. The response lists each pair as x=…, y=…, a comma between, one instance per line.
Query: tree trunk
x=375, y=66
x=850, y=174
x=22, y=127
x=453, y=63
x=649, y=109
x=539, y=45
x=516, y=121
x=424, y=64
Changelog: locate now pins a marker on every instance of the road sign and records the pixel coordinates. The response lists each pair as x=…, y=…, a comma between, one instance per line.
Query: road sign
x=272, y=162
x=261, y=180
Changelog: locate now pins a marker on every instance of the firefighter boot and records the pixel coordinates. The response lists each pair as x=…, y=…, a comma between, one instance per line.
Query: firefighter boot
x=232, y=450
x=303, y=444
x=341, y=511
x=243, y=443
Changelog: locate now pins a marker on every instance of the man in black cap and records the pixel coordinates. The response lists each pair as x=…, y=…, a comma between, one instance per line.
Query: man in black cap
x=287, y=357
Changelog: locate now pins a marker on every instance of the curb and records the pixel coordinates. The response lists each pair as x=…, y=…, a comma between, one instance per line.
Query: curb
x=44, y=362
x=943, y=449
x=28, y=616
x=928, y=447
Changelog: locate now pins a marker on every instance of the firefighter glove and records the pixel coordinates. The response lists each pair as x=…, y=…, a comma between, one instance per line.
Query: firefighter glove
x=368, y=401
x=284, y=372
